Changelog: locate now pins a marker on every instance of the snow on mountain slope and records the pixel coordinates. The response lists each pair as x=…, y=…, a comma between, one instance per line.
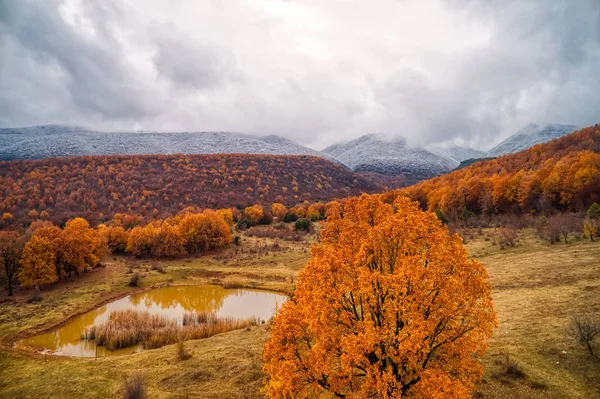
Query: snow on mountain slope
x=455, y=152
x=376, y=153
x=529, y=136
x=47, y=141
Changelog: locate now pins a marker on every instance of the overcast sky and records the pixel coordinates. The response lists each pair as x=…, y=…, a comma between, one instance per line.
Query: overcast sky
x=316, y=71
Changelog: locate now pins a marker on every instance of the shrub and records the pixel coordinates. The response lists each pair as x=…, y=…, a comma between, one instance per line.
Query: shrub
x=135, y=280
x=594, y=211
x=441, y=217
x=508, y=237
x=237, y=240
x=243, y=223
x=289, y=217
x=182, y=353
x=302, y=224
x=510, y=368
x=134, y=387
x=590, y=228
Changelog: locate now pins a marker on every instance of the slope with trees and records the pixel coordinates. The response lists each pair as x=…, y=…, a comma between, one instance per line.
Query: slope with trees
x=97, y=188
x=561, y=175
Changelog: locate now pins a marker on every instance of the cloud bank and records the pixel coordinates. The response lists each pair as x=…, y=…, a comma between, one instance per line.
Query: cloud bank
x=469, y=72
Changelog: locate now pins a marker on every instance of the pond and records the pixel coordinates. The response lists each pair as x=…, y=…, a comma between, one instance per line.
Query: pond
x=172, y=302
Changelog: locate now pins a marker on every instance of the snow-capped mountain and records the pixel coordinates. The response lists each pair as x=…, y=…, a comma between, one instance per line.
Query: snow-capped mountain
x=376, y=153
x=529, y=136
x=47, y=141
x=455, y=152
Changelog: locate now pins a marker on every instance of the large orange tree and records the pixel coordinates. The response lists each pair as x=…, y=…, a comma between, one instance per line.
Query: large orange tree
x=389, y=305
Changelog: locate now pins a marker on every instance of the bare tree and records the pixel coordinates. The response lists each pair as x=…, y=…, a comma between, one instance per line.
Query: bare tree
x=563, y=225
x=584, y=330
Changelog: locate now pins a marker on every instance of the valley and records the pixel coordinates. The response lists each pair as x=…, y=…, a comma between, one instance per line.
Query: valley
x=537, y=288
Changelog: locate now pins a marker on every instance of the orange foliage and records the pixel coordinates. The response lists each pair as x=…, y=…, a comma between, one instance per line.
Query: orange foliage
x=254, y=213
x=37, y=263
x=563, y=174
x=151, y=186
x=278, y=210
x=390, y=305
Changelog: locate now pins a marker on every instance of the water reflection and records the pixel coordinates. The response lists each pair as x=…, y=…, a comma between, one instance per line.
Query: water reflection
x=170, y=301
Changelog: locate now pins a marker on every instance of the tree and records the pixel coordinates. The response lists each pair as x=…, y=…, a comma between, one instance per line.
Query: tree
x=38, y=263
x=584, y=330
x=81, y=245
x=279, y=211
x=388, y=306
x=254, y=213
x=313, y=213
x=11, y=248
x=302, y=224
x=594, y=211
x=227, y=216
x=589, y=228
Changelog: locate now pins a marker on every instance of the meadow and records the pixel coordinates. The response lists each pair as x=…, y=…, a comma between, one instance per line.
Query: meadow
x=537, y=289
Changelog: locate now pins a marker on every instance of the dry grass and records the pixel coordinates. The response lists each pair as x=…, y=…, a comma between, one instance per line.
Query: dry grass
x=537, y=288
x=127, y=328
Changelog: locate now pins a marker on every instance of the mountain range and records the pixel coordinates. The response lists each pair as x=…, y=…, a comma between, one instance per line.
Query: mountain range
x=379, y=154
x=48, y=141
x=529, y=136
x=390, y=161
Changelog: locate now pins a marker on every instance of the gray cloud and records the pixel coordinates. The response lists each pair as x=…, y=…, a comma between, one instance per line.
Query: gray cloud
x=463, y=71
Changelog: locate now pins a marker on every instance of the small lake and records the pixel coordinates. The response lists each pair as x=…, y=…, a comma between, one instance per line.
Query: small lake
x=172, y=302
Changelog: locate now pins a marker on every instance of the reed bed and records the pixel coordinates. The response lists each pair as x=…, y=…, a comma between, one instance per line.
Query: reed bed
x=126, y=328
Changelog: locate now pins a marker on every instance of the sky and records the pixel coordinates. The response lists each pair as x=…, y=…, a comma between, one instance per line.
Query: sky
x=466, y=72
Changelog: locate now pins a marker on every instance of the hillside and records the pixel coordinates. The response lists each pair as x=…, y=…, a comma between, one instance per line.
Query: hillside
x=563, y=174
x=49, y=141
x=455, y=152
x=161, y=185
x=529, y=136
x=375, y=153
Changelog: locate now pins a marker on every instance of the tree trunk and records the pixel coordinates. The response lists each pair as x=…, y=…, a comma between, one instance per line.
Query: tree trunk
x=589, y=346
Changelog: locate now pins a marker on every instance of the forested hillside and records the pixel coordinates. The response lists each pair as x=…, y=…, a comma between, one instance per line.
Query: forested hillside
x=161, y=185
x=563, y=174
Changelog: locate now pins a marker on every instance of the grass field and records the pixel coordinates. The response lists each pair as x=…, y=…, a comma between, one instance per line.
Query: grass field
x=537, y=288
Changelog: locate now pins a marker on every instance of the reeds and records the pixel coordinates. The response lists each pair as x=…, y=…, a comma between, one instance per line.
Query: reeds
x=126, y=328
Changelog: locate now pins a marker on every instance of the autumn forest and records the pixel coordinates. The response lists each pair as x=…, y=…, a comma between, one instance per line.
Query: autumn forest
x=390, y=292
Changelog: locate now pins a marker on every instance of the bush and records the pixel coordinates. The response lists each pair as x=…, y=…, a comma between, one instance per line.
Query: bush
x=244, y=223
x=303, y=224
x=594, y=211
x=509, y=368
x=135, y=387
x=508, y=237
x=182, y=353
x=289, y=217
x=441, y=217
x=135, y=279
x=237, y=240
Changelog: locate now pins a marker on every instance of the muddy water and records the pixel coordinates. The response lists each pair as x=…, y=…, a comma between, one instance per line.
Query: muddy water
x=170, y=301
